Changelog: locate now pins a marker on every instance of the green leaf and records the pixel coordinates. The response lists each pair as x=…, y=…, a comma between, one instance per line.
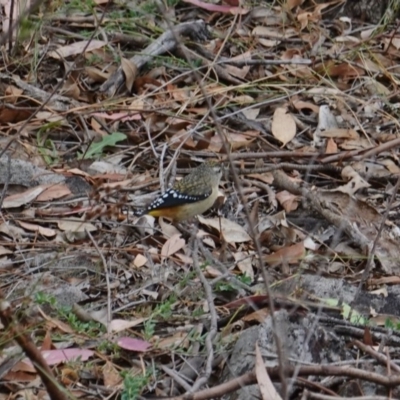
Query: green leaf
x=347, y=312
x=96, y=148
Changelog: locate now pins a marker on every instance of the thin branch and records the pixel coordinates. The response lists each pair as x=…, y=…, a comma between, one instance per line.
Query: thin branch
x=213, y=314
x=109, y=313
x=371, y=254
x=17, y=332
x=317, y=370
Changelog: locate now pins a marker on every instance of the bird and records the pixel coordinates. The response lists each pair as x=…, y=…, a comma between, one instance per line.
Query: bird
x=192, y=195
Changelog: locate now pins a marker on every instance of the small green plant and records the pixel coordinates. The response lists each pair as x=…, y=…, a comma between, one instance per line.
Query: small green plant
x=109, y=347
x=172, y=3
x=244, y=279
x=224, y=286
x=149, y=7
x=93, y=59
x=149, y=329
x=26, y=28
x=196, y=337
x=163, y=310
x=79, y=5
x=90, y=328
x=46, y=146
x=197, y=312
x=348, y=313
x=186, y=279
x=96, y=148
x=392, y=324
x=134, y=385
x=42, y=298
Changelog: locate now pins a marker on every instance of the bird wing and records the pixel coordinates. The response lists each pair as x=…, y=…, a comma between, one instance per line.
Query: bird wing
x=173, y=198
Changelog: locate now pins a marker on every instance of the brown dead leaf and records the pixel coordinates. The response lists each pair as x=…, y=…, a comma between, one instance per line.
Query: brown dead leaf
x=19, y=377
x=54, y=192
x=4, y=251
x=347, y=39
x=344, y=71
x=168, y=230
x=375, y=88
x=283, y=126
x=258, y=316
x=287, y=200
x=391, y=166
x=79, y=172
x=13, y=93
x=130, y=70
x=290, y=4
x=47, y=232
x=301, y=105
x=243, y=99
x=119, y=116
x=76, y=48
x=76, y=226
x=140, y=260
x=23, y=367
x=12, y=115
x=239, y=72
x=49, y=116
x=394, y=41
x=315, y=16
x=178, y=94
x=20, y=199
x=359, y=144
x=231, y=231
x=267, y=389
x=244, y=263
x=263, y=31
x=111, y=377
x=71, y=89
x=290, y=254
x=340, y=133
x=96, y=75
x=47, y=343
x=186, y=260
x=52, y=323
x=251, y=113
x=211, y=272
x=331, y=146
x=119, y=325
x=179, y=340
x=304, y=18
x=172, y=245
x=236, y=141
x=297, y=70
x=266, y=177
x=268, y=42
x=355, y=182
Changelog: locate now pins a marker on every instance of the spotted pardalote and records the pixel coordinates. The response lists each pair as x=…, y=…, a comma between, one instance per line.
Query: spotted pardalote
x=192, y=195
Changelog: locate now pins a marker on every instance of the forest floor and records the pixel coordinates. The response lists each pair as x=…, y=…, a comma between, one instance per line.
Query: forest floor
x=105, y=104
